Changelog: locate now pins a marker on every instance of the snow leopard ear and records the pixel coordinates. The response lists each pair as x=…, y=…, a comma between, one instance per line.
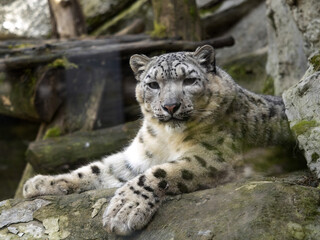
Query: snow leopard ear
x=205, y=55
x=138, y=64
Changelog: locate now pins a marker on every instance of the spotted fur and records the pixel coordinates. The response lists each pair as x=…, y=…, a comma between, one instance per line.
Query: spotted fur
x=196, y=120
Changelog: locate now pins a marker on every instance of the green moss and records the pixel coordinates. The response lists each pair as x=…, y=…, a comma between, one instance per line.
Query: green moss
x=314, y=157
x=2, y=77
x=315, y=62
x=52, y=132
x=93, y=22
x=207, y=11
x=32, y=83
x=237, y=70
x=131, y=11
x=193, y=12
x=272, y=161
x=304, y=126
x=62, y=63
x=296, y=230
x=268, y=87
x=249, y=72
x=159, y=30
x=32, y=80
x=22, y=45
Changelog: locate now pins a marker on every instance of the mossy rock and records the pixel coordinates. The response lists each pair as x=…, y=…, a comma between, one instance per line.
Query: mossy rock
x=97, y=12
x=139, y=9
x=265, y=209
x=315, y=61
x=249, y=71
x=275, y=160
x=302, y=109
x=304, y=126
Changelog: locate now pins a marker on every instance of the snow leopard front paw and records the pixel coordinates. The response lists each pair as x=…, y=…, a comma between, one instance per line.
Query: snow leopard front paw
x=130, y=209
x=45, y=185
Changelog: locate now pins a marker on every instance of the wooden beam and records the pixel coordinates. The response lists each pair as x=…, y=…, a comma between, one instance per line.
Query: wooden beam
x=66, y=152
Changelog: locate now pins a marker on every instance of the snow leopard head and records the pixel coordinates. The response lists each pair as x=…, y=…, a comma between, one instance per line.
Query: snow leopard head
x=173, y=86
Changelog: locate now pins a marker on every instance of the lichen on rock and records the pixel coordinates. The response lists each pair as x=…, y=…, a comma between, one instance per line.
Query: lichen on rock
x=22, y=212
x=256, y=209
x=62, y=63
x=302, y=108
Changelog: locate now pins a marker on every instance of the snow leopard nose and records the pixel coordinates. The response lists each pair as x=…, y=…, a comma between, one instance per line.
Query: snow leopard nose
x=171, y=107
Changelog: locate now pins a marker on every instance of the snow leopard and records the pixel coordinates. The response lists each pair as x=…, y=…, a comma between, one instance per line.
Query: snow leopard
x=196, y=121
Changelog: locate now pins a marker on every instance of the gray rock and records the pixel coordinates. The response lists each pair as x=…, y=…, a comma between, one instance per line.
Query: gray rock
x=140, y=9
x=207, y=3
x=22, y=212
x=307, y=17
x=217, y=21
x=98, y=11
x=302, y=108
x=250, y=34
x=293, y=34
x=27, y=18
x=249, y=209
x=249, y=71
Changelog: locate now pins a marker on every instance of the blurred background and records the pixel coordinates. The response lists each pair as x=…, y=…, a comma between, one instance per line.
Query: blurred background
x=66, y=85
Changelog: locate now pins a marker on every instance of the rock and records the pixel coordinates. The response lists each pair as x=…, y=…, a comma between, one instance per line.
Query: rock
x=249, y=71
x=98, y=11
x=306, y=15
x=205, y=4
x=31, y=18
x=140, y=9
x=27, y=18
x=302, y=108
x=249, y=209
x=250, y=34
x=224, y=16
x=15, y=137
x=22, y=212
x=245, y=61
x=293, y=34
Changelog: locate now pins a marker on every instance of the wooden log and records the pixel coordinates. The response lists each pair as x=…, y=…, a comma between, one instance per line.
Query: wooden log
x=91, y=48
x=136, y=27
x=25, y=76
x=176, y=19
x=67, y=18
x=64, y=153
x=28, y=170
x=30, y=93
x=85, y=85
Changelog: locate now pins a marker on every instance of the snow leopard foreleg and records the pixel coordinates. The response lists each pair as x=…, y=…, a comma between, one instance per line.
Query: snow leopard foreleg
x=108, y=173
x=135, y=203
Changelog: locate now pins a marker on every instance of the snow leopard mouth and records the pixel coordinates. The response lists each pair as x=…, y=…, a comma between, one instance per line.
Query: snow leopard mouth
x=173, y=119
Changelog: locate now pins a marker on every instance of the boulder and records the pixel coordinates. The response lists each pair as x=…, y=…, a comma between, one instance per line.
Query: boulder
x=31, y=18
x=206, y=4
x=24, y=18
x=140, y=9
x=293, y=34
x=98, y=11
x=249, y=71
x=222, y=17
x=302, y=108
x=263, y=209
x=250, y=34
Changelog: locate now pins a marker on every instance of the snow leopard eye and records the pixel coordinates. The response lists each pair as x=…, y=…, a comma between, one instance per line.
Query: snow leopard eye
x=189, y=81
x=153, y=85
